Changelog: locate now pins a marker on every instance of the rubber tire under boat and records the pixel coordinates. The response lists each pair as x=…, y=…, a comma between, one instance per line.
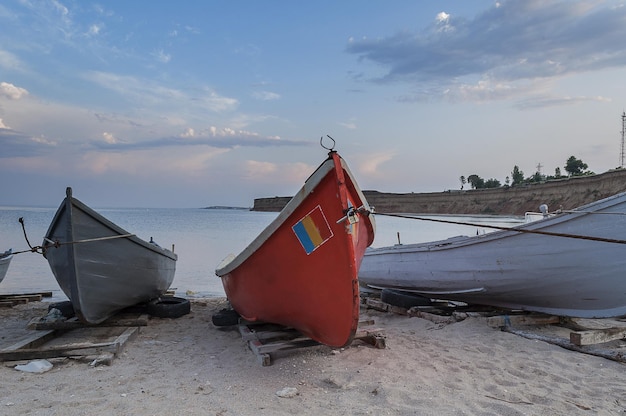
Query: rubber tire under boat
x=226, y=317
x=169, y=307
x=65, y=307
x=403, y=299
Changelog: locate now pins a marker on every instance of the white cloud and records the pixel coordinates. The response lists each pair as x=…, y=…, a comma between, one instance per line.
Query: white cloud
x=95, y=29
x=161, y=56
x=510, y=44
x=109, y=138
x=3, y=126
x=149, y=93
x=266, y=95
x=9, y=61
x=371, y=162
x=11, y=91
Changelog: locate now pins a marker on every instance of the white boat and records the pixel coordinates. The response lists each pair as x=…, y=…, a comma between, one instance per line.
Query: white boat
x=569, y=264
x=5, y=260
x=101, y=267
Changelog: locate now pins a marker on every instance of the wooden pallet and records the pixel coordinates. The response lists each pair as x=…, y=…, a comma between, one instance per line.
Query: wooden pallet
x=63, y=339
x=600, y=337
x=265, y=339
x=10, y=300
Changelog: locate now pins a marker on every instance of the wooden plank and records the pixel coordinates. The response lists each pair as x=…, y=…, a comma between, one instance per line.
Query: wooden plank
x=32, y=341
x=26, y=349
x=264, y=358
x=74, y=323
x=128, y=335
x=596, y=336
x=373, y=337
x=34, y=294
x=507, y=320
x=614, y=355
x=58, y=351
x=583, y=324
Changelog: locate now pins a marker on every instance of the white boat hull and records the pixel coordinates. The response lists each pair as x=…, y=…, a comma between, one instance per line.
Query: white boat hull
x=5, y=260
x=580, y=277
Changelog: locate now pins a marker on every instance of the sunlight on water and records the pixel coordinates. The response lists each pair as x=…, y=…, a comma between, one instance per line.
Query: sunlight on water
x=202, y=238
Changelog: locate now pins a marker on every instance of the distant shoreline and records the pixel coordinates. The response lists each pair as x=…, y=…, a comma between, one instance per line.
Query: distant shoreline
x=227, y=207
x=568, y=193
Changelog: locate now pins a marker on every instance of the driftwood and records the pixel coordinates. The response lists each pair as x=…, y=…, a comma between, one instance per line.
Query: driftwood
x=564, y=343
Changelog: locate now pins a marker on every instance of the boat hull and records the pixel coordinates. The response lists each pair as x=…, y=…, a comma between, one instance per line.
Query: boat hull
x=561, y=275
x=302, y=270
x=100, y=267
x=5, y=260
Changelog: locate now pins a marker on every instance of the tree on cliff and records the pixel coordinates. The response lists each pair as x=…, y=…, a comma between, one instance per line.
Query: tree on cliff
x=575, y=167
x=476, y=181
x=517, y=176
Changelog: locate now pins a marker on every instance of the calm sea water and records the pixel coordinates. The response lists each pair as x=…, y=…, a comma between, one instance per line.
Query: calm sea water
x=201, y=238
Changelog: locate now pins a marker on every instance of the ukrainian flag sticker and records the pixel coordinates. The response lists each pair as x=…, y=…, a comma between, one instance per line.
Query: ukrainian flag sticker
x=312, y=230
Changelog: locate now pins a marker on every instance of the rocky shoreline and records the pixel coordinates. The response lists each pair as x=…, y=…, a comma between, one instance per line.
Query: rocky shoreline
x=566, y=193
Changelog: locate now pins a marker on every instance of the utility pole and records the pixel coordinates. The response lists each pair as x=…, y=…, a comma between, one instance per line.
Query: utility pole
x=623, y=132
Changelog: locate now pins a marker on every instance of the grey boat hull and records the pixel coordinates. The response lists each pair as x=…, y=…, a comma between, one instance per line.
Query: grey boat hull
x=561, y=275
x=101, y=267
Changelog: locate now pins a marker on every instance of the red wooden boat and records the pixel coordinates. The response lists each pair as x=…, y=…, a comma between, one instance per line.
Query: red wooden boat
x=301, y=271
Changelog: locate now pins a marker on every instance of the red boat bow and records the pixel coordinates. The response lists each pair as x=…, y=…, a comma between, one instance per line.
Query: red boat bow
x=301, y=271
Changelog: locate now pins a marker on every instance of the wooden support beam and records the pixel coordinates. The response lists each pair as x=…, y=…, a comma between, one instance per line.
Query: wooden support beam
x=596, y=336
x=70, y=350
x=32, y=341
x=506, y=320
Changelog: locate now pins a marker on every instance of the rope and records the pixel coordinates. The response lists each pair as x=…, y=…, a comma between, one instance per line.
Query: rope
x=519, y=230
x=57, y=244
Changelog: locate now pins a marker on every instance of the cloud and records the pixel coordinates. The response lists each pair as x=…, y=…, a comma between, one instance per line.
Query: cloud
x=348, y=124
x=16, y=144
x=146, y=92
x=509, y=46
x=546, y=101
x=9, y=61
x=161, y=56
x=11, y=91
x=225, y=138
x=266, y=95
x=272, y=173
x=370, y=163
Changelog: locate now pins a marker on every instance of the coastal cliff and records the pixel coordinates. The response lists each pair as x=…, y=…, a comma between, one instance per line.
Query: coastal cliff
x=568, y=193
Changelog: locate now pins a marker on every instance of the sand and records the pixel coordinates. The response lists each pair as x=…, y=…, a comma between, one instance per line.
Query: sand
x=188, y=366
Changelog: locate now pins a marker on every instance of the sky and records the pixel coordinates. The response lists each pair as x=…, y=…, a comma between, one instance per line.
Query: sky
x=200, y=103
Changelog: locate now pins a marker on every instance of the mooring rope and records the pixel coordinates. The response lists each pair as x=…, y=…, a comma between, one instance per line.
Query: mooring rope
x=57, y=244
x=518, y=230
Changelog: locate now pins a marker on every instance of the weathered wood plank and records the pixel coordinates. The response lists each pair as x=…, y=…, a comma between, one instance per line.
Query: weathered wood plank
x=32, y=341
x=619, y=356
x=33, y=295
x=596, y=336
x=74, y=323
x=58, y=351
x=506, y=320
x=128, y=335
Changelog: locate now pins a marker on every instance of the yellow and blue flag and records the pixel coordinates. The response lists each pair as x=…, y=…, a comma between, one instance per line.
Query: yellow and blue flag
x=312, y=230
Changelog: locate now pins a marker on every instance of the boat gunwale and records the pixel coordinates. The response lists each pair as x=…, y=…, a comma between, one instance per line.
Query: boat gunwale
x=106, y=222
x=231, y=262
x=465, y=240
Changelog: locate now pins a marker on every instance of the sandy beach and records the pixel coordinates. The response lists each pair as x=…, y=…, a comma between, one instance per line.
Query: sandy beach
x=189, y=366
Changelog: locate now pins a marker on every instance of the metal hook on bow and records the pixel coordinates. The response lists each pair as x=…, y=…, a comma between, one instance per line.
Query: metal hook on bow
x=331, y=148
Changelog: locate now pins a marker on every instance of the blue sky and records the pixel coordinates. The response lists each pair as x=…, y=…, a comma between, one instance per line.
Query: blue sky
x=198, y=103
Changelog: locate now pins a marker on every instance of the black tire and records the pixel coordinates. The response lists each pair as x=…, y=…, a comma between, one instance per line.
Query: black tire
x=226, y=317
x=403, y=299
x=169, y=307
x=65, y=307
